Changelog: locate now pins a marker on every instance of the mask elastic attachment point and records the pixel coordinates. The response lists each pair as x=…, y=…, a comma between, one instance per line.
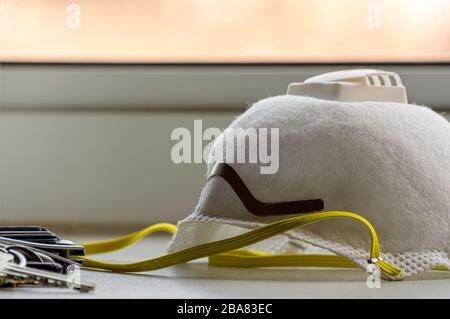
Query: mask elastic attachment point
x=375, y=260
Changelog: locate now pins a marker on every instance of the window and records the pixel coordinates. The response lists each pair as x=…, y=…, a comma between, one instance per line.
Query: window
x=287, y=31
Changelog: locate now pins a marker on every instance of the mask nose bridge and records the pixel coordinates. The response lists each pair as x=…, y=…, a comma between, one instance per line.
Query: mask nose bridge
x=257, y=207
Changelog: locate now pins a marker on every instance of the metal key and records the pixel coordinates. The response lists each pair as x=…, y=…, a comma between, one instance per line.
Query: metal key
x=37, y=257
x=14, y=274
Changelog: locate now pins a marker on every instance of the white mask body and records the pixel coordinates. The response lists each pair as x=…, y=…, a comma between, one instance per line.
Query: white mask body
x=388, y=162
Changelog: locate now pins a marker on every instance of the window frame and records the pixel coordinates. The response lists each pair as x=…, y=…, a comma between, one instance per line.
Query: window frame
x=213, y=87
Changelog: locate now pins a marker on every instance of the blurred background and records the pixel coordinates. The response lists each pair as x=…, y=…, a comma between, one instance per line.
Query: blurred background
x=90, y=90
x=225, y=31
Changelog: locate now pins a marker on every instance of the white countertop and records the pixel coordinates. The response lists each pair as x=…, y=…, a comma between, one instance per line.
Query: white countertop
x=198, y=280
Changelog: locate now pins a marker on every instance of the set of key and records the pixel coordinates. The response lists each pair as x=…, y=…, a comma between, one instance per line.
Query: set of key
x=32, y=255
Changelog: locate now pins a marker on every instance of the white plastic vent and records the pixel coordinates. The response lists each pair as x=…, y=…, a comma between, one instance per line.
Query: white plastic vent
x=384, y=80
x=353, y=85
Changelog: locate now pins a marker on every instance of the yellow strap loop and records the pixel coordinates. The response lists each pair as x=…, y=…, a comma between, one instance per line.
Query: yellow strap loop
x=109, y=246
x=223, y=246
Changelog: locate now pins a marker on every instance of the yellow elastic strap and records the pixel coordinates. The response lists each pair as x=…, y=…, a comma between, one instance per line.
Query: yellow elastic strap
x=225, y=245
x=252, y=259
x=109, y=246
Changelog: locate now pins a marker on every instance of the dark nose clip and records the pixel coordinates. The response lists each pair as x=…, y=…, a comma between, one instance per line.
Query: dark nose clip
x=256, y=207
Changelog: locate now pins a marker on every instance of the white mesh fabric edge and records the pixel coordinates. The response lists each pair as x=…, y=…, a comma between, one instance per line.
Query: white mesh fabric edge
x=411, y=263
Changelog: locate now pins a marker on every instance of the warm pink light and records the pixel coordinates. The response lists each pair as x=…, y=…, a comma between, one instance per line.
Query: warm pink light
x=225, y=31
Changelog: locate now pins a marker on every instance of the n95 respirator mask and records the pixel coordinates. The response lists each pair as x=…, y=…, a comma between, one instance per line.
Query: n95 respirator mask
x=361, y=174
